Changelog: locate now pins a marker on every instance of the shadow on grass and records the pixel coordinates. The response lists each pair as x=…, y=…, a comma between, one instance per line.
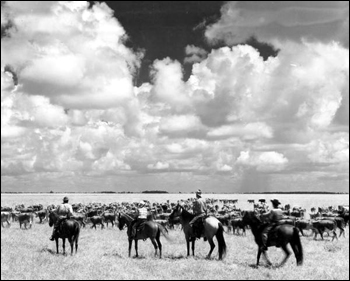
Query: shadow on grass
x=47, y=250
x=174, y=257
x=113, y=255
x=262, y=265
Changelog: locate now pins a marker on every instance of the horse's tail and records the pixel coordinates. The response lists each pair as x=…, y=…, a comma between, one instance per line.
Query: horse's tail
x=298, y=248
x=221, y=241
x=163, y=231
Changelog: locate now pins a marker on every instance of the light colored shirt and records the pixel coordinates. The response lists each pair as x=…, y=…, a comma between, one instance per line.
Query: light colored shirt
x=273, y=216
x=143, y=213
x=199, y=206
x=64, y=209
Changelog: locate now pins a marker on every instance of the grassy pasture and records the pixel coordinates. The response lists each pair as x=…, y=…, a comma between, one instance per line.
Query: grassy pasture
x=103, y=254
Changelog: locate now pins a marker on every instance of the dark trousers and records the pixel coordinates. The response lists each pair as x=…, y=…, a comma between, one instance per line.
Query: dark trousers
x=56, y=226
x=265, y=234
x=135, y=224
x=197, y=224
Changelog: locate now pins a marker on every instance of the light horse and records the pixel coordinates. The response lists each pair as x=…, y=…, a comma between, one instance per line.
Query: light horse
x=69, y=229
x=280, y=236
x=212, y=226
x=150, y=229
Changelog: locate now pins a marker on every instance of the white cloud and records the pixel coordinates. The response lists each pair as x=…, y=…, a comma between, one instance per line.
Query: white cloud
x=71, y=54
x=265, y=161
x=158, y=166
x=194, y=54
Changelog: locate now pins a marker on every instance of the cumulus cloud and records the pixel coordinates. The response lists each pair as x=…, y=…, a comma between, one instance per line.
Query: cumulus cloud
x=265, y=162
x=319, y=21
x=70, y=53
x=158, y=166
x=194, y=54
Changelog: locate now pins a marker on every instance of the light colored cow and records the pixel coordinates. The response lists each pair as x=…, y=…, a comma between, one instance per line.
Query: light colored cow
x=5, y=217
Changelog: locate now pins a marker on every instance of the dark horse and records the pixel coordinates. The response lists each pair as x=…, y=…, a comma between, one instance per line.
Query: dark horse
x=212, y=226
x=150, y=229
x=280, y=236
x=69, y=228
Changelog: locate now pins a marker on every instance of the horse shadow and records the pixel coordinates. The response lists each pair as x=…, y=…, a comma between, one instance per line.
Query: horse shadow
x=47, y=250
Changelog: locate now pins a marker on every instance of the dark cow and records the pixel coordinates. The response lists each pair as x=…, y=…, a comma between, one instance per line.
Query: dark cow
x=5, y=217
x=109, y=217
x=304, y=225
x=237, y=223
x=42, y=215
x=251, y=201
x=25, y=218
x=79, y=217
x=97, y=220
x=321, y=226
x=340, y=224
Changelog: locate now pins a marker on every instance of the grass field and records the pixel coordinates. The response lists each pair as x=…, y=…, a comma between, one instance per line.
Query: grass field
x=103, y=254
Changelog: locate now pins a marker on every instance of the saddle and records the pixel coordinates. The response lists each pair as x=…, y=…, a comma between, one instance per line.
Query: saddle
x=198, y=227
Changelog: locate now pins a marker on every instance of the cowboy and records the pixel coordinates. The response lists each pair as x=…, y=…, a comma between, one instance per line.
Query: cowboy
x=200, y=211
x=64, y=211
x=272, y=217
x=142, y=213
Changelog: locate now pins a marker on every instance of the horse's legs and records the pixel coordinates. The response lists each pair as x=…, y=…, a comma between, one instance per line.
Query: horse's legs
x=130, y=244
x=193, y=244
x=64, y=245
x=154, y=245
x=56, y=245
x=71, y=245
x=159, y=245
x=212, y=246
x=188, y=245
x=102, y=225
x=285, y=249
x=136, y=248
x=258, y=257
x=267, y=258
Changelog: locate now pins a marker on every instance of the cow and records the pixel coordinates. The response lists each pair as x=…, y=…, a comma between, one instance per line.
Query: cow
x=109, y=217
x=5, y=217
x=237, y=223
x=251, y=201
x=304, y=225
x=340, y=224
x=79, y=217
x=96, y=220
x=25, y=218
x=42, y=214
x=321, y=226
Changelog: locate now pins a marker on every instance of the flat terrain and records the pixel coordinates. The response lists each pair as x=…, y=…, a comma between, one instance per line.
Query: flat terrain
x=103, y=254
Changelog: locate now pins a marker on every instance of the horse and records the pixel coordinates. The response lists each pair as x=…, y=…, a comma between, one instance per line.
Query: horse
x=69, y=228
x=280, y=236
x=150, y=229
x=212, y=226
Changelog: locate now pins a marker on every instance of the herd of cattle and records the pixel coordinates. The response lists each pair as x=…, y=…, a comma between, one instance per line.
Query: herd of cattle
x=321, y=219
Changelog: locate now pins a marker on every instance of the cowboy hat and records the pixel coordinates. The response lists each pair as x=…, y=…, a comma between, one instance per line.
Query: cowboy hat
x=275, y=202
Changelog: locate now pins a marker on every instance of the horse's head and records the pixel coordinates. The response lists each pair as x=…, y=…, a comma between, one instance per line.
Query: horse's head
x=121, y=221
x=250, y=217
x=52, y=218
x=176, y=212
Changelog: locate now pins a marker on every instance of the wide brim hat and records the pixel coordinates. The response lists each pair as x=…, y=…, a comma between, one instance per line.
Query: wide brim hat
x=199, y=192
x=276, y=202
x=65, y=199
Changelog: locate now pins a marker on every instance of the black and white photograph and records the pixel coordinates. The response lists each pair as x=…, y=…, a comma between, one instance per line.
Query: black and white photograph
x=174, y=140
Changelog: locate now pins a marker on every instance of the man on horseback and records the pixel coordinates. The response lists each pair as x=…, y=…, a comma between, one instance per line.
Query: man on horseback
x=272, y=218
x=64, y=211
x=200, y=211
x=141, y=218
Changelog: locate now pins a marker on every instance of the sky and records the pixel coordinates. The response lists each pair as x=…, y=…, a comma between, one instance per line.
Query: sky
x=240, y=96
